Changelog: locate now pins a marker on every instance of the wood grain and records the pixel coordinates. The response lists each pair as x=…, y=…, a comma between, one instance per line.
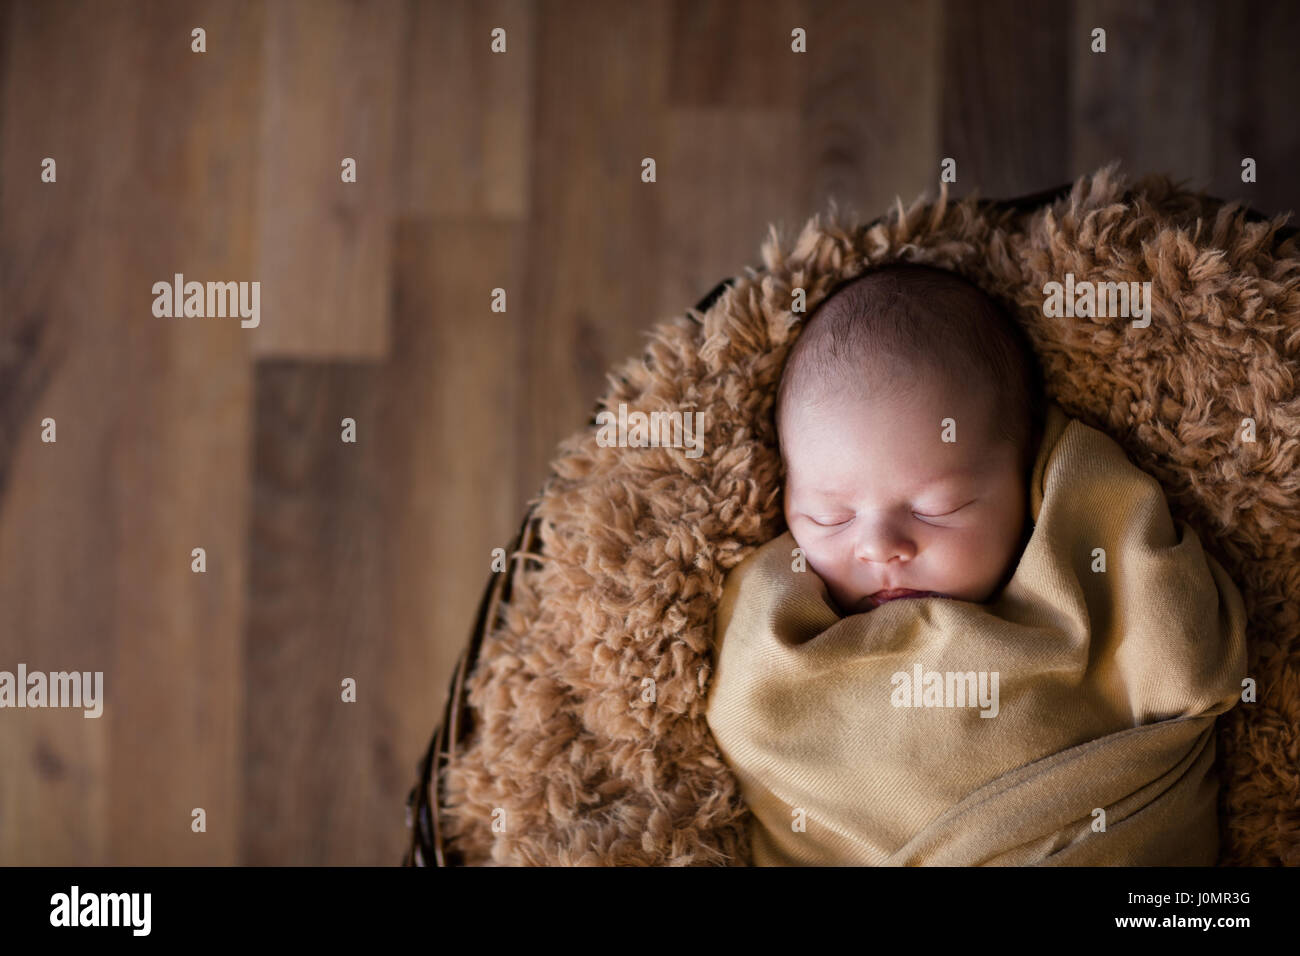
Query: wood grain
x=466, y=111
x=1005, y=95
x=1255, y=72
x=330, y=91
x=150, y=460
x=1154, y=55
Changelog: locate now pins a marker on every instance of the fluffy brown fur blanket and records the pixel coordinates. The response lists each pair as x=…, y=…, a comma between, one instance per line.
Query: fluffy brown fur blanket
x=577, y=758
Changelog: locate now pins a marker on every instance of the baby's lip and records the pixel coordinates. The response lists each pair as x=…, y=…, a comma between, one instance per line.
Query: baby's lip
x=880, y=597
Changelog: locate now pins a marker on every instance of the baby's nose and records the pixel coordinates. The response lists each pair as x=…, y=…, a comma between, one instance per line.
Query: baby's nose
x=882, y=542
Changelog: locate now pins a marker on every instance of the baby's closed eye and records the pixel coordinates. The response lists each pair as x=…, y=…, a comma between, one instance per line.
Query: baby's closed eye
x=832, y=521
x=944, y=513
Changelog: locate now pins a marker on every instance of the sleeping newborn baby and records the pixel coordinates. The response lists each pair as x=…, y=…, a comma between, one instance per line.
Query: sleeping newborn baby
x=882, y=505
x=1007, y=652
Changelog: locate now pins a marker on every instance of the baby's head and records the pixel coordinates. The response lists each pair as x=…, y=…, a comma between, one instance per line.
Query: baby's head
x=874, y=495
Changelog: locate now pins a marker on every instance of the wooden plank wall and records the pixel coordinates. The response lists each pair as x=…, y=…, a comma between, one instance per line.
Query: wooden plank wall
x=476, y=171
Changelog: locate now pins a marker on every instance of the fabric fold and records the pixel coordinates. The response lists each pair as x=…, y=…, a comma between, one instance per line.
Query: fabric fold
x=1069, y=720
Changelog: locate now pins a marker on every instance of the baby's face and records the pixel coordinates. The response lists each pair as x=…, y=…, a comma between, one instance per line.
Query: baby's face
x=878, y=501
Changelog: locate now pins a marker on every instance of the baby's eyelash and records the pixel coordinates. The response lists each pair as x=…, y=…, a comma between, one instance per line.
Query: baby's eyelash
x=916, y=514
x=922, y=514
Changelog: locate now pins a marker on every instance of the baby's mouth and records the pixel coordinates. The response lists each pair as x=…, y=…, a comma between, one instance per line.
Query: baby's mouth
x=880, y=597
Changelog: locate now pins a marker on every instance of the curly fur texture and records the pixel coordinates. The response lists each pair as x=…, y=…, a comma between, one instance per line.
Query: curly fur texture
x=637, y=541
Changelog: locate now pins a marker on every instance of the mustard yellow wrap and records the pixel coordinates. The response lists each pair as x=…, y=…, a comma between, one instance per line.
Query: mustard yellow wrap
x=1069, y=721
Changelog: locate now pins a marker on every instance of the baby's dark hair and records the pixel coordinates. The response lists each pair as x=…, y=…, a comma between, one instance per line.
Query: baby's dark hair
x=905, y=317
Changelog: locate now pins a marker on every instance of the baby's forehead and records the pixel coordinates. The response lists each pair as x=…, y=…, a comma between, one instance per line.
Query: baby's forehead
x=910, y=436
x=900, y=396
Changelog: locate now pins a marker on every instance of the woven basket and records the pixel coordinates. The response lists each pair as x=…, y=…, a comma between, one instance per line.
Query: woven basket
x=424, y=819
